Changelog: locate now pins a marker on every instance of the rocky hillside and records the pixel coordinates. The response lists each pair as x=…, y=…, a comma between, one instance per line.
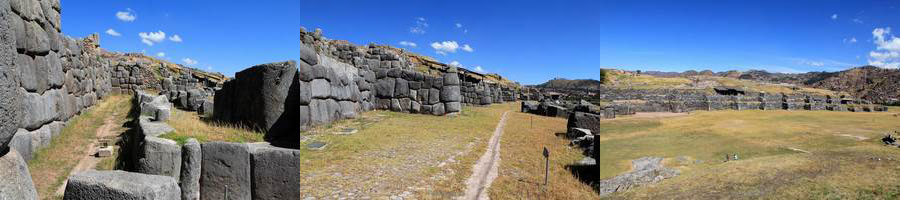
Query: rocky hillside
x=561, y=83
x=876, y=84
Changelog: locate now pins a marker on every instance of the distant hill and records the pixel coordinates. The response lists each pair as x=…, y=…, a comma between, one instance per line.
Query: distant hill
x=579, y=84
x=872, y=83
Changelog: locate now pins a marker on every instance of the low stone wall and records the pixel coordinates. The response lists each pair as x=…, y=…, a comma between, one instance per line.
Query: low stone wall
x=692, y=102
x=257, y=170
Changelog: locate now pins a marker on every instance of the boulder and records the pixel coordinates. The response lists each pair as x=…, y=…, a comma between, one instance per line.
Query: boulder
x=401, y=88
x=207, y=107
x=190, y=170
x=451, y=79
x=320, y=88
x=40, y=138
x=437, y=109
x=225, y=165
x=308, y=54
x=262, y=99
x=160, y=156
x=16, y=182
x=114, y=185
x=450, y=94
x=21, y=142
x=38, y=43
x=276, y=172
x=452, y=107
x=434, y=96
x=10, y=100
x=385, y=87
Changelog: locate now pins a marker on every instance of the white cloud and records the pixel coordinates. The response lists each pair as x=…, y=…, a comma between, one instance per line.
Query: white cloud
x=479, y=69
x=456, y=64
x=126, y=16
x=161, y=54
x=189, y=61
x=857, y=20
x=458, y=25
x=175, y=38
x=420, y=26
x=152, y=37
x=819, y=63
x=849, y=40
x=467, y=48
x=441, y=52
x=113, y=32
x=834, y=16
x=408, y=43
x=445, y=46
x=887, y=49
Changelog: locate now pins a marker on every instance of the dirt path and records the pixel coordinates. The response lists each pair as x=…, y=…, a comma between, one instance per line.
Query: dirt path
x=89, y=161
x=485, y=171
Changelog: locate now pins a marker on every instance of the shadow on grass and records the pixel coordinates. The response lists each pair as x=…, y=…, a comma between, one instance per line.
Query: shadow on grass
x=587, y=174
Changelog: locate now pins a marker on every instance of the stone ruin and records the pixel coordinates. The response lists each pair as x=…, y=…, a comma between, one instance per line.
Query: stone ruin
x=336, y=80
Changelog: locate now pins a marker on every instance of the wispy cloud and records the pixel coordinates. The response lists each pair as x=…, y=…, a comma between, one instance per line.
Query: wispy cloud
x=834, y=16
x=818, y=63
x=161, y=54
x=127, y=15
x=857, y=20
x=152, y=37
x=458, y=25
x=175, y=38
x=189, y=61
x=408, y=43
x=456, y=64
x=887, y=49
x=113, y=32
x=479, y=69
x=849, y=40
x=450, y=47
x=419, y=28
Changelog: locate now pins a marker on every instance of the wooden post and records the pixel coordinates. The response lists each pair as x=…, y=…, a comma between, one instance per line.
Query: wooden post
x=547, y=165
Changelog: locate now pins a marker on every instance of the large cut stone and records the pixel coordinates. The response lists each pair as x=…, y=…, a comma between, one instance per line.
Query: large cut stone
x=262, y=99
x=450, y=94
x=115, y=185
x=437, y=109
x=451, y=79
x=160, y=156
x=308, y=54
x=434, y=96
x=38, y=42
x=401, y=88
x=320, y=88
x=452, y=107
x=21, y=142
x=16, y=182
x=276, y=172
x=225, y=165
x=385, y=87
x=190, y=170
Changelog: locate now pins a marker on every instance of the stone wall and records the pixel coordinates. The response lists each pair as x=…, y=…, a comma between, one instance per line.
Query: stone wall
x=257, y=170
x=690, y=100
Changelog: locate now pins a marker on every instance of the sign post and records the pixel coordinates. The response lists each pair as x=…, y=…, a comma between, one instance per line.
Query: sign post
x=547, y=165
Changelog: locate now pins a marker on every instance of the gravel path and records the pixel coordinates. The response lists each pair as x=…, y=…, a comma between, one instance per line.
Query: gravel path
x=485, y=171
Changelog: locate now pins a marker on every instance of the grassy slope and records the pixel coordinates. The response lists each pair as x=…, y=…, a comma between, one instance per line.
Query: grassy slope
x=401, y=152
x=651, y=82
x=838, y=166
x=522, y=165
x=51, y=165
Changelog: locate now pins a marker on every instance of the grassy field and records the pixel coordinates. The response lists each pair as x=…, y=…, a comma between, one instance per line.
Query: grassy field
x=398, y=154
x=51, y=165
x=522, y=165
x=845, y=159
x=189, y=124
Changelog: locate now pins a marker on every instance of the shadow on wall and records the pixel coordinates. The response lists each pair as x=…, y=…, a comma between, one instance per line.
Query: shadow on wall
x=128, y=141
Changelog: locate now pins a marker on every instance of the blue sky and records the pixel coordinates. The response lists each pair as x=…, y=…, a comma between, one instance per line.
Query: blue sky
x=526, y=41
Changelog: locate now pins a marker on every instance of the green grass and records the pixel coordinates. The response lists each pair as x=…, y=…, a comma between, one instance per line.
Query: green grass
x=181, y=139
x=837, y=166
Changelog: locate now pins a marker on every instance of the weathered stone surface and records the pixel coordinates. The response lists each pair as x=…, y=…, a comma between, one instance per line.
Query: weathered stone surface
x=18, y=27
x=401, y=88
x=304, y=92
x=262, y=99
x=276, y=172
x=450, y=94
x=348, y=109
x=55, y=75
x=10, y=98
x=434, y=96
x=120, y=185
x=151, y=128
x=190, y=170
x=308, y=54
x=40, y=138
x=160, y=157
x=304, y=116
x=21, y=142
x=194, y=99
x=644, y=171
x=415, y=107
x=225, y=164
x=437, y=109
x=16, y=182
x=452, y=107
x=451, y=79
x=38, y=43
x=385, y=87
x=320, y=88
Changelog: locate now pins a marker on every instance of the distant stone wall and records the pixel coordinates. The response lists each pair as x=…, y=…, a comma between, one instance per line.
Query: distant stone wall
x=661, y=101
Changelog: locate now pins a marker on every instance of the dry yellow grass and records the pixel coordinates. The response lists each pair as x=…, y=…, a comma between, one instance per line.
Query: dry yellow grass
x=189, y=124
x=846, y=159
x=522, y=165
x=51, y=165
x=426, y=156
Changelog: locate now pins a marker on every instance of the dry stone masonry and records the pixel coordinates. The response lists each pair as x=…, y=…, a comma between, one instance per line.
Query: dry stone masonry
x=336, y=80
